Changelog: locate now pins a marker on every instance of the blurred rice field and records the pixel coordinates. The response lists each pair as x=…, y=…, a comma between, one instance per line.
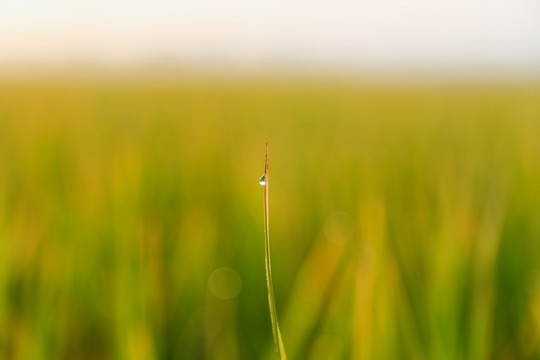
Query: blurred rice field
x=405, y=221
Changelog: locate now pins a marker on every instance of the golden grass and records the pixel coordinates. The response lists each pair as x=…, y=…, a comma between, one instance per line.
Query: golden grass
x=406, y=221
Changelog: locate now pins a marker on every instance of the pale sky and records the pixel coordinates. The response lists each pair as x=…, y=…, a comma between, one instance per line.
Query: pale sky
x=493, y=33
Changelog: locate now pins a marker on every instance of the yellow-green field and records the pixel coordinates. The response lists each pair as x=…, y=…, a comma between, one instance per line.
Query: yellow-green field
x=405, y=221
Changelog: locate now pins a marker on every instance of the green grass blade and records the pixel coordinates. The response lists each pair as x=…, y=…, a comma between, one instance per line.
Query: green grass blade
x=278, y=341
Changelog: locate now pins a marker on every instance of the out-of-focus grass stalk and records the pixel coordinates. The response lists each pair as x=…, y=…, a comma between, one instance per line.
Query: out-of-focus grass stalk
x=278, y=341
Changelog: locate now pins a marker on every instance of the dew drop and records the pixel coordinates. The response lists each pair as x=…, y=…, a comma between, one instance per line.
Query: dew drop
x=262, y=180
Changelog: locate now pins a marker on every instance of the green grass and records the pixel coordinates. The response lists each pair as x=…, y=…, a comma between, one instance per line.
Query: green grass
x=405, y=221
x=278, y=341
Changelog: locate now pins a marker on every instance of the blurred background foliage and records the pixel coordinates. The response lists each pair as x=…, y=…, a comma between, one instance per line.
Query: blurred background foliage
x=404, y=220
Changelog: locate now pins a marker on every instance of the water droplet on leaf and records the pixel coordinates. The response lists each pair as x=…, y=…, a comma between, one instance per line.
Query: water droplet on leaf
x=262, y=180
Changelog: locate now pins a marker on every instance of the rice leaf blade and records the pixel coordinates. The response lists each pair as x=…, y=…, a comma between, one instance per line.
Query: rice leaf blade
x=278, y=341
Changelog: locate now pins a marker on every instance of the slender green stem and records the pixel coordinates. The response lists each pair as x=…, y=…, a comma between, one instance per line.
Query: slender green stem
x=278, y=341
